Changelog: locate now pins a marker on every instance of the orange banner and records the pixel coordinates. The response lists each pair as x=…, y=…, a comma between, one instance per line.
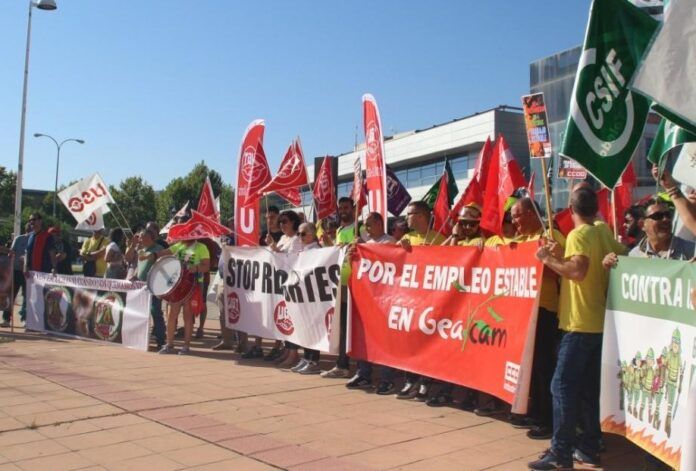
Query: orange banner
x=459, y=314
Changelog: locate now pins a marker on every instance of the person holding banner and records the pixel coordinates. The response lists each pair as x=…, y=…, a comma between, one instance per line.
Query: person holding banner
x=309, y=364
x=147, y=250
x=197, y=260
x=289, y=243
x=92, y=254
x=419, y=218
x=345, y=235
x=576, y=379
x=374, y=225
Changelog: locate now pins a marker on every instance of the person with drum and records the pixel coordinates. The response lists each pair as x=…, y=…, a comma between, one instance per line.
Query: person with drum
x=147, y=250
x=196, y=260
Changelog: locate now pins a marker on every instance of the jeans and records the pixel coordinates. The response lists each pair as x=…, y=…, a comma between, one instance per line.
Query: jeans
x=575, y=391
x=158, y=328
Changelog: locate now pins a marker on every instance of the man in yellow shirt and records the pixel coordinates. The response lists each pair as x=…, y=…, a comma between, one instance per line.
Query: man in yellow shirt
x=418, y=216
x=92, y=253
x=575, y=384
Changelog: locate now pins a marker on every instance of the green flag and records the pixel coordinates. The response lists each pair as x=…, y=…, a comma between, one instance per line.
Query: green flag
x=606, y=119
x=452, y=190
x=668, y=136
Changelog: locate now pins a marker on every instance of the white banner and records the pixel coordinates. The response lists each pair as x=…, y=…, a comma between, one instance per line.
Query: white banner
x=685, y=166
x=284, y=296
x=94, y=221
x=110, y=310
x=85, y=197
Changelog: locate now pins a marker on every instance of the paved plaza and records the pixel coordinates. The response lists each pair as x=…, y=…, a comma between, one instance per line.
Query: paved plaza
x=75, y=404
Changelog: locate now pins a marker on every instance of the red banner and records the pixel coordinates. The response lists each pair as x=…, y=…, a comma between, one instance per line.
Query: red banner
x=375, y=171
x=206, y=202
x=252, y=174
x=459, y=314
x=198, y=227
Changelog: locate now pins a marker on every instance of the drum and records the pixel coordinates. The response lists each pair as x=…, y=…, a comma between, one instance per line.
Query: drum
x=170, y=281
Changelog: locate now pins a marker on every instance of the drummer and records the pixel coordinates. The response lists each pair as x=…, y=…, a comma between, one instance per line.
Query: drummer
x=196, y=257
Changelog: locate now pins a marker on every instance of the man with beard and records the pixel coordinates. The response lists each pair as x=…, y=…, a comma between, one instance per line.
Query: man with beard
x=344, y=236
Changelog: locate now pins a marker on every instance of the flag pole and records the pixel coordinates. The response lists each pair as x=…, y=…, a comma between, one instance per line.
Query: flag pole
x=613, y=214
x=547, y=195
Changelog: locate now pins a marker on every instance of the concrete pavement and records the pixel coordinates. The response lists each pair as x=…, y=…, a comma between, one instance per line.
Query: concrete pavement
x=75, y=404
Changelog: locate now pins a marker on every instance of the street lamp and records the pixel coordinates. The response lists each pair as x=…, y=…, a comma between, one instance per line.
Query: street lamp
x=58, y=146
x=48, y=5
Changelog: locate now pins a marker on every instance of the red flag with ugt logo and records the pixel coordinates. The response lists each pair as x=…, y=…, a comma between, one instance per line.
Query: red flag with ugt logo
x=375, y=170
x=291, y=176
x=324, y=191
x=206, y=202
x=252, y=174
x=198, y=227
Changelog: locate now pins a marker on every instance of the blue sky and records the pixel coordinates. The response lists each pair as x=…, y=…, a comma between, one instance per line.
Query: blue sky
x=155, y=86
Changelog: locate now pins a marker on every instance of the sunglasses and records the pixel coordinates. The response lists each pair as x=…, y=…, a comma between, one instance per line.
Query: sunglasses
x=468, y=223
x=660, y=215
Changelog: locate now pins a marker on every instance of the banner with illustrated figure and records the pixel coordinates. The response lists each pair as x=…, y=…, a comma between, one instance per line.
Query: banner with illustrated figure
x=459, y=314
x=96, y=308
x=283, y=296
x=649, y=356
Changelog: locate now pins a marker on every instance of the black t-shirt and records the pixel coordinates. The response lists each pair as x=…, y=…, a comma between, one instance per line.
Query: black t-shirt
x=276, y=237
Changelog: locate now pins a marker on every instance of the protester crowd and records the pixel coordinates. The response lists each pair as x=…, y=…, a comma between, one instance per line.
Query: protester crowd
x=564, y=404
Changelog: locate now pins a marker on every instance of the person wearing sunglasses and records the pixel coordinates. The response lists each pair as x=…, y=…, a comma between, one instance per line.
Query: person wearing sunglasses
x=659, y=242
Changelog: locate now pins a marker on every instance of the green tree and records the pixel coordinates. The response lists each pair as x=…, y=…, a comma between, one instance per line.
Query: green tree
x=188, y=188
x=136, y=200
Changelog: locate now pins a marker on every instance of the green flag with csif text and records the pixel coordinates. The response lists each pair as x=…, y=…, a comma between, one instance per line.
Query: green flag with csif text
x=606, y=119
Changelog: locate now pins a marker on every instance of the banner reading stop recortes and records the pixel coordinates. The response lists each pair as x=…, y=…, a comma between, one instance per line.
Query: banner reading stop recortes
x=459, y=314
x=283, y=296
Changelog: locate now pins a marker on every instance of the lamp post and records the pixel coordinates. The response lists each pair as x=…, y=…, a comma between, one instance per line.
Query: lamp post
x=48, y=5
x=58, y=146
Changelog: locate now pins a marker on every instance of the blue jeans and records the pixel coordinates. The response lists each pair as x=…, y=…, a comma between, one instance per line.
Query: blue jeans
x=575, y=391
x=158, y=328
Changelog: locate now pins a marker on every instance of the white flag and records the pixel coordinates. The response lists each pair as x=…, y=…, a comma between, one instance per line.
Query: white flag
x=95, y=221
x=668, y=70
x=85, y=197
x=685, y=166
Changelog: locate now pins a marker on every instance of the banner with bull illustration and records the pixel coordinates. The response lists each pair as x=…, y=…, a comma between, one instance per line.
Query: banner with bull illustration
x=283, y=296
x=459, y=314
x=103, y=309
x=649, y=357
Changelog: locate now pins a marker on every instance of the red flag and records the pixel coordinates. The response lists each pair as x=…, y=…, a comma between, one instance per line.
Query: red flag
x=624, y=189
x=206, y=202
x=252, y=174
x=603, y=203
x=564, y=221
x=472, y=194
x=357, y=193
x=530, y=185
x=376, y=173
x=481, y=169
x=291, y=175
x=325, y=191
x=198, y=227
x=504, y=177
x=441, y=211
x=291, y=195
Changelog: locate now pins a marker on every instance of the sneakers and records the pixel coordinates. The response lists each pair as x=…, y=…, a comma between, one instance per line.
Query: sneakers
x=300, y=364
x=253, y=352
x=583, y=458
x=167, y=349
x=408, y=391
x=311, y=368
x=548, y=461
x=185, y=351
x=358, y=382
x=439, y=400
x=335, y=372
x=541, y=432
x=422, y=395
x=385, y=388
